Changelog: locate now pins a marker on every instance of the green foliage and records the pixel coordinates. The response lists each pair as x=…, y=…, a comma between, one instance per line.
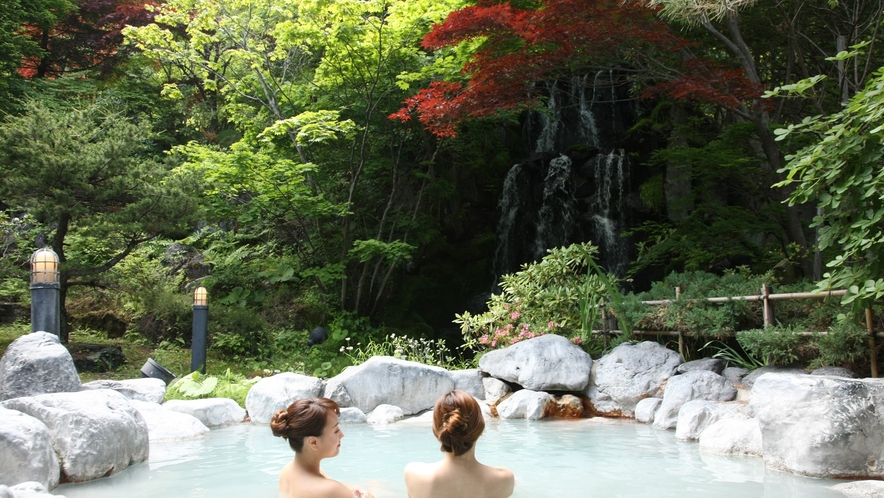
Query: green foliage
x=421, y=350
x=196, y=386
x=238, y=331
x=733, y=357
x=844, y=345
x=560, y=294
x=777, y=345
x=840, y=172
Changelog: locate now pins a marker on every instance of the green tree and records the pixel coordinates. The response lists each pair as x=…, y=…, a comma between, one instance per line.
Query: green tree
x=840, y=170
x=92, y=178
x=308, y=86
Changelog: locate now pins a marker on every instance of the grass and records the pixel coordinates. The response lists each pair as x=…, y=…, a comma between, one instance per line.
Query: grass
x=136, y=349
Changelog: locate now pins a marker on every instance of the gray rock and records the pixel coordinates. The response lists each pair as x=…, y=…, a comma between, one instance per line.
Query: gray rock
x=29, y=490
x=749, y=379
x=384, y=380
x=696, y=415
x=646, y=408
x=351, y=415
x=94, y=433
x=212, y=412
x=164, y=424
x=384, y=414
x=277, y=392
x=699, y=384
x=549, y=362
x=732, y=436
x=834, y=372
x=26, y=452
x=469, y=381
x=629, y=374
x=712, y=364
x=821, y=426
x=37, y=364
x=528, y=404
x=494, y=389
x=734, y=375
x=145, y=389
x=860, y=489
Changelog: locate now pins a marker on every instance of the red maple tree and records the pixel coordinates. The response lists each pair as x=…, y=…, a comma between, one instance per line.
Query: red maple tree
x=88, y=37
x=550, y=39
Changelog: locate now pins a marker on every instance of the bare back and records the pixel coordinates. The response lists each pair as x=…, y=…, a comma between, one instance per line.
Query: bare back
x=456, y=478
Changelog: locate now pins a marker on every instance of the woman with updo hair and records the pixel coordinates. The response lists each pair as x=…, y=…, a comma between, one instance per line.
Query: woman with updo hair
x=310, y=426
x=457, y=424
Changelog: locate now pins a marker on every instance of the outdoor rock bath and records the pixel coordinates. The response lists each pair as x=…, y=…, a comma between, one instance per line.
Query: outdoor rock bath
x=810, y=425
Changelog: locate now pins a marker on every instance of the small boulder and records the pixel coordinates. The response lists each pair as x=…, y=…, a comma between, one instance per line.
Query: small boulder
x=384, y=414
x=749, y=380
x=275, y=393
x=351, y=415
x=712, y=364
x=27, y=490
x=629, y=374
x=34, y=364
x=696, y=415
x=646, y=409
x=212, y=412
x=168, y=425
x=549, y=362
x=144, y=389
x=860, y=489
x=26, y=452
x=698, y=384
x=494, y=389
x=834, y=372
x=734, y=375
x=528, y=404
x=732, y=436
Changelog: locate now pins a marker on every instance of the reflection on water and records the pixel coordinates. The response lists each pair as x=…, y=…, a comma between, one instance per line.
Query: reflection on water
x=556, y=459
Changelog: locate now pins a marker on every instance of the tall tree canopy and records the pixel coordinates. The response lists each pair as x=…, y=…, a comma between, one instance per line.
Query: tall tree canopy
x=91, y=177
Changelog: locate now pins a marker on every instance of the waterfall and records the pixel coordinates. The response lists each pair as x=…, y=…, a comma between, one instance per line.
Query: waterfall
x=507, y=254
x=609, y=209
x=588, y=129
x=557, y=213
x=550, y=122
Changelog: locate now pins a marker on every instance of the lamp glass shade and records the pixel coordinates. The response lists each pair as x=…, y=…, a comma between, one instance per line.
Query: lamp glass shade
x=200, y=297
x=44, y=266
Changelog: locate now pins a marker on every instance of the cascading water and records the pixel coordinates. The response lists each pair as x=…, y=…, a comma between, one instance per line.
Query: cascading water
x=608, y=209
x=579, y=201
x=557, y=222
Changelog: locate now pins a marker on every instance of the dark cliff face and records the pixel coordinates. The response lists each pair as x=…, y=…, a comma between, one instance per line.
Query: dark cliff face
x=573, y=176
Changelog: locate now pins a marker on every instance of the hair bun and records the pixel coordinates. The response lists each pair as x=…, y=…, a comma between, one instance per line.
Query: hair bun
x=279, y=423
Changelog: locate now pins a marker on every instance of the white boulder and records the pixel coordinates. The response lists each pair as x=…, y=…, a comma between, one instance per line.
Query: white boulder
x=732, y=436
x=278, y=392
x=696, y=415
x=164, y=424
x=30, y=489
x=34, y=364
x=145, y=389
x=469, y=381
x=212, y=412
x=646, y=409
x=26, y=452
x=549, y=363
x=94, y=433
x=351, y=415
x=697, y=384
x=384, y=380
x=384, y=414
x=528, y=404
x=494, y=389
x=629, y=374
x=860, y=489
x=821, y=426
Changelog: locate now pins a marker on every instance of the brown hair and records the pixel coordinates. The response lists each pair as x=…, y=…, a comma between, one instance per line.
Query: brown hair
x=303, y=418
x=457, y=422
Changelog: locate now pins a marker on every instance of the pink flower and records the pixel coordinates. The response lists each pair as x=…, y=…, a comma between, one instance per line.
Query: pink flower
x=515, y=315
x=493, y=344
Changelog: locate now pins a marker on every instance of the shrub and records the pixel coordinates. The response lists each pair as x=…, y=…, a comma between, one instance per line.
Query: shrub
x=843, y=345
x=776, y=345
x=196, y=386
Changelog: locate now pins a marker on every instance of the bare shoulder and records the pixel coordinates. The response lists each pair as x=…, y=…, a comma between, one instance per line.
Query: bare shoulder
x=504, y=480
x=418, y=469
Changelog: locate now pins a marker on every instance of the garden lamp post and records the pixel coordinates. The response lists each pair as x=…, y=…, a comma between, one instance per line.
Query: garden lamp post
x=200, y=328
x=45, y=292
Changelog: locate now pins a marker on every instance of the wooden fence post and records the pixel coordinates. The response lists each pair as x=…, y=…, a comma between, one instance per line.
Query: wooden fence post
x=680, y=336
x=767, y=306
x=873, y=350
